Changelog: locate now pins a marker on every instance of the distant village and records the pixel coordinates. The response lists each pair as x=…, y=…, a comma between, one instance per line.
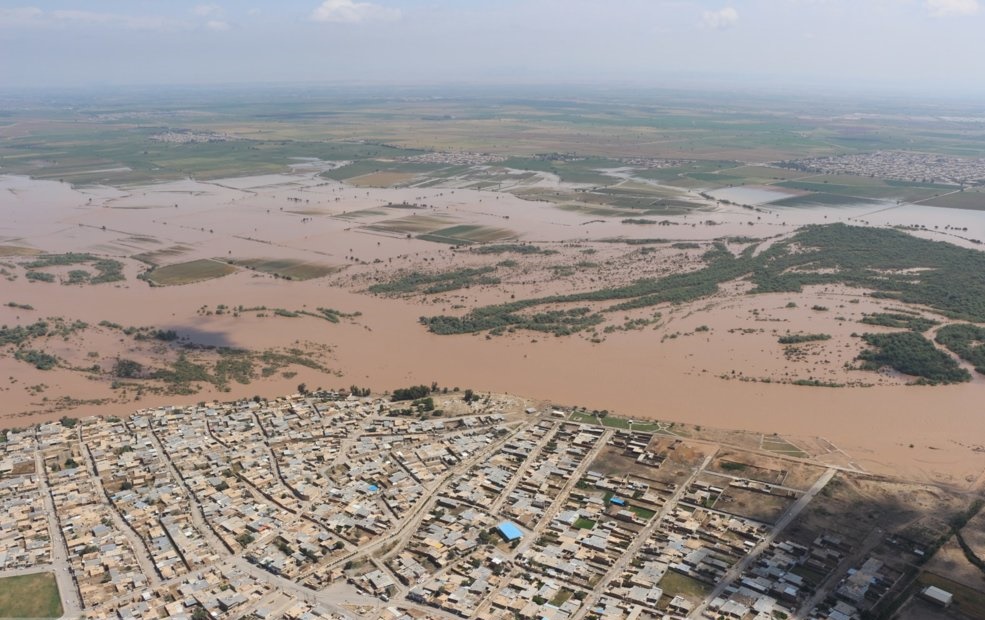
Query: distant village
x=898, y=165
x=330, y=505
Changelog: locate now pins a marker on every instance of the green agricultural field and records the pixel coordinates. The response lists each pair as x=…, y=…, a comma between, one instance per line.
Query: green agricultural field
x=412, y=224
x=375, y=166
x=972, y=200
x=822, y=200
x=577, y=170
x=355, y=215
x=157, y=257
x=573, y=137
x=868, y=187
x=286, y=268
x=30, y=596
x=189, y=272
x=468, y=233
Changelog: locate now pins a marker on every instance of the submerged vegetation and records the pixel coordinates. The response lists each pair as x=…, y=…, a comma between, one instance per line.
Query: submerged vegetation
x=107, y=270
x=912, y=354
x=890, y=263
x=419, y=282
x=801, y=338
x=966, y=341
x=511, y=248
x=912, y=322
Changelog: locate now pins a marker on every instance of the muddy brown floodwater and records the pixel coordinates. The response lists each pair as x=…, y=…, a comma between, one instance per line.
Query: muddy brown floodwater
x=666, y=371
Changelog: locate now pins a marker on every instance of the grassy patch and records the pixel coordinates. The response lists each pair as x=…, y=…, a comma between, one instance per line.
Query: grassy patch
x=783, y=447
x=188, y=273
x=614, y=422
x=584, y=524
x=643, y=513
x=30, y=596
x=674, y=584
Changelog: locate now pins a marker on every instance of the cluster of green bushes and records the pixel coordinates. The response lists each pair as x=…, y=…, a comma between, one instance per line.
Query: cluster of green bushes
x=506, y=316
x=892, y=263
x=949, y=279
x=510, y=248
x=411, y=393
x=801, y=338
x=334, y=316
x=966, y=341
x=19, y=334
x=39, y=276
x=237, y=365
x=419, y=282
x=913, y=322
x=109, y=270
x=233, y=365
x=40, y=359
x=912, y=354
x=677, y=288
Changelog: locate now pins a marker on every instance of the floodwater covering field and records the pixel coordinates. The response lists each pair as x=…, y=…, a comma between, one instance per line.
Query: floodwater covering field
x=714, y=361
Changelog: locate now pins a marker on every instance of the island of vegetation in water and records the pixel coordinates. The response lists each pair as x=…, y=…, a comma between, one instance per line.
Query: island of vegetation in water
x=890, y=263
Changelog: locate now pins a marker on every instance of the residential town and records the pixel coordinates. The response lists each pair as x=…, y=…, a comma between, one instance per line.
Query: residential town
x=329, y=505
x=898, y=165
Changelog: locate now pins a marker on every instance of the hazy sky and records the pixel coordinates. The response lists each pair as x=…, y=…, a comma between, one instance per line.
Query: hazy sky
x=923, y=45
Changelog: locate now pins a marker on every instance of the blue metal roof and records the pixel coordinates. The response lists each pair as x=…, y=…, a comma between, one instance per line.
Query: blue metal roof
x=618, y=501
x=510, y=531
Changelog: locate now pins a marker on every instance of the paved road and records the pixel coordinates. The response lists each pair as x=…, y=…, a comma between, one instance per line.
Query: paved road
x=71, y=600
x=137, y=544
x=197, y=516
x=641, y=538
x=521, y=468
x=736, y=571
x=551, y=512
